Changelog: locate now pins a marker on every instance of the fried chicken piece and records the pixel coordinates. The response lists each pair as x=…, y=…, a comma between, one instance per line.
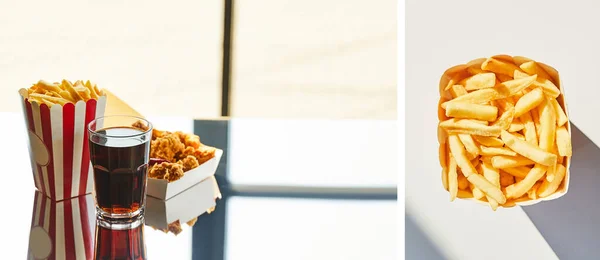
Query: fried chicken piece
x=167, y=171
x=158, y=133
x=202, y=154
x=175, y=227
x=188, y=163
x=166, y=147
x=189, y=139
x=192, y=222
x=139, y=125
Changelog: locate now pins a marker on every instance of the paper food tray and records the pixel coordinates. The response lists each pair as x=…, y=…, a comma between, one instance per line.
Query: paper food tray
x=564, y=187
x=187, y=205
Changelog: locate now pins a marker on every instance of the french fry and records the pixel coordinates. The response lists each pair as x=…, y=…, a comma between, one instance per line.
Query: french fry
x=45, y=85
x=472, y=111
x=499, y=67
x=491, y=151
x=503, y=78
x=505, y=119
x=481, y=96
x=493, y=176
x=535, y=116
x=470, y=146
x=68, y=87
x=443, y=153
x=463, y=183
x=529, y=101
x=475, y=162
x=56, y=100
x=457, y=91
x=532, y=193
x=519, y=172
x=512, y=87
x=531, y=68
x=488, y=141
x=452, y=179
x=66, y=95
x=463, y=126
x=456, y=78
x=48, y=103
x=547, y=188
x=547, y=126
x=520, y=136
x=479, y=81
x=551, y=173
x=463, y=194
x=528, y=150
x=529, y=130
x=458, y=152
x=477, y=193
x=505, y=103
x=517, y=190
x=93, y=93
x=546, y=85
x=561, y=117
x=487, y=187
x=506, y=179
x=563, y=142
x=516, y=125
x=84, y=93
x=442, y=135
x=503, y=161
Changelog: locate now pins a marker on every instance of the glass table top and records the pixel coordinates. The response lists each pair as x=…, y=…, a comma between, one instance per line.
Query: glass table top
x=285, y=189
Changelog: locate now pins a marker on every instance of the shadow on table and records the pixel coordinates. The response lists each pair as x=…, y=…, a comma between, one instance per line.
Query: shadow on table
x=571, y=224
x=417, y=243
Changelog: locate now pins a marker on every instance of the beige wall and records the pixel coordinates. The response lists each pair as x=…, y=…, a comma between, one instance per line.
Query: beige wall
x=324, y=59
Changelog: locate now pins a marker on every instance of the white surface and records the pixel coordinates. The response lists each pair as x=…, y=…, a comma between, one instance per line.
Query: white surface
x=355, y=153
x=310, y=229
x=441, y=34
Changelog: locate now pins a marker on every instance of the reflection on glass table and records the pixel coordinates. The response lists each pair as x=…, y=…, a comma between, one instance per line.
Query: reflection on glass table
x=325, y=189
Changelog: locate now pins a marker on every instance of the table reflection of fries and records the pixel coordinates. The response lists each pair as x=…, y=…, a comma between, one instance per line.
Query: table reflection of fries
x=63, y=93
x=503, y=134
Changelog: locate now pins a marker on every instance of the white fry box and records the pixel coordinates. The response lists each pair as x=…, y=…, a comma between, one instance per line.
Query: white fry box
x=164, y=190
x=187, y=205
x=518, y=60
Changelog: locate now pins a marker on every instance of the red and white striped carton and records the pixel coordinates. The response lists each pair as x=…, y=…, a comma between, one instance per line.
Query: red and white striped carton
x=63, y=229
x=58, y=145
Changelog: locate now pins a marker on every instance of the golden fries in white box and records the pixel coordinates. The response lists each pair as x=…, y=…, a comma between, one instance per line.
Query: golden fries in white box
x=504, y=132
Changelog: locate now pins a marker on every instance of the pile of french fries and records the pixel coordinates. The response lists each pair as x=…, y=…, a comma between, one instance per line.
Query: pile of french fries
x=503, y=131
x=44, y=92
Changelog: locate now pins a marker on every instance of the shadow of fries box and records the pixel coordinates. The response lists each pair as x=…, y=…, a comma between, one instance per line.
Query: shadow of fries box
x=164, y=190
x=58, y=145
x=518, y=60
x=62, y=230
x=184, y=207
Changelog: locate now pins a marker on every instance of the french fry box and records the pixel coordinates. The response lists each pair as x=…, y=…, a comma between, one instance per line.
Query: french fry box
x=58, y=145
x=453, y=76
x=185, y=206
x=62, y=230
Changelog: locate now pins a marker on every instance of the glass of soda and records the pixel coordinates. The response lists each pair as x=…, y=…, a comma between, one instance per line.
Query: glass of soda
x=119, y=152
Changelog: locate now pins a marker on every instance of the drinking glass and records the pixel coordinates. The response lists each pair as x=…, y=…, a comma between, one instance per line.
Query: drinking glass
x=119, y=152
